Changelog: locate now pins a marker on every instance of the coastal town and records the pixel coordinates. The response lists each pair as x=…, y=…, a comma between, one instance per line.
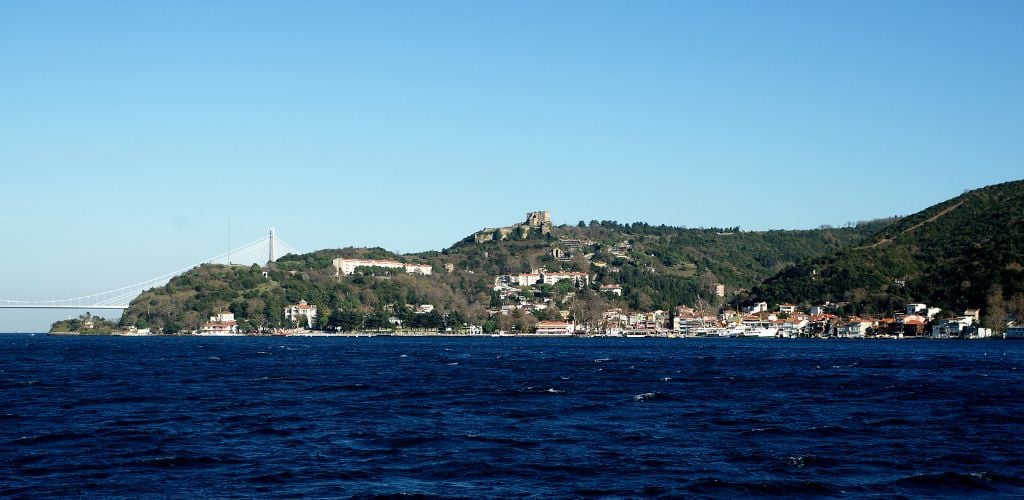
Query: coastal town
x=918, y=321
x=595, y=280
x=540, y=293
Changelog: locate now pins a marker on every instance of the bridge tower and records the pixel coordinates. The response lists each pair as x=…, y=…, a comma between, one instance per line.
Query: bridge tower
x=273, y=253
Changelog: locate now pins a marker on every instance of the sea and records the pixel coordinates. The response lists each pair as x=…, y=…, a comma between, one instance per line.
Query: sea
x=174, y=417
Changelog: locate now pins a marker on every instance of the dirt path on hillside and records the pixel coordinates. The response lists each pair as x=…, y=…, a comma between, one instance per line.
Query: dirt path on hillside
x=919, y=224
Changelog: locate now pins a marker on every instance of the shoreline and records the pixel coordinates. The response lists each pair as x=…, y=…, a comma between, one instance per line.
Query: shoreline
x=310, y=334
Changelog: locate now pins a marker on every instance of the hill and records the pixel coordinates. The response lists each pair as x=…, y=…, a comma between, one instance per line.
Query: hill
x=655, y=267
x=962, y=253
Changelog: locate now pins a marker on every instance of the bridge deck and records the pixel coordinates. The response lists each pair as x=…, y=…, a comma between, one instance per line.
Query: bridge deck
x=35, y=306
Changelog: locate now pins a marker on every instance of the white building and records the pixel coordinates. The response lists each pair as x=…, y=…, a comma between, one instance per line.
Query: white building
x=547, y=278
x=951, y=328
x=577, y=279
x=787, y=308
x=295, y=312
x=555, y=328
x=348, y=266
x=980, y=333
x=756, y=308
x=792, y=327
x=856, y=328
x=615, y=289
x=527, y=279
x=221, y=324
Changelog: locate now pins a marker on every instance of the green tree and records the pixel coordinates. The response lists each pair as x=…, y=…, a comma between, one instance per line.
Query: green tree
x=995, y=309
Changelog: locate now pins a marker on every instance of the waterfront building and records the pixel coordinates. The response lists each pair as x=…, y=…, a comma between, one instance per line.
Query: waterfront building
x=1014, y=332
x=555, y=328
x=295, y=312
x=951, y=328
x=913, y=325
x=855, y=328
x=222, y=323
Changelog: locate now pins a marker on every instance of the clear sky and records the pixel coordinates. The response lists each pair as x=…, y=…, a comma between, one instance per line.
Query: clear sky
x=140, y=137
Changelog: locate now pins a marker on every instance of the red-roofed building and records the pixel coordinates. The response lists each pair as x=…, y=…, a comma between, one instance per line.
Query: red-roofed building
x=555, y=328
x=221, y=324
x=913, y=325
x=615, y=289
x=295, y=312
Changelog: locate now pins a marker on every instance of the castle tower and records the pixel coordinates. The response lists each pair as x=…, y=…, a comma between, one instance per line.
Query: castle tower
x=537, y=219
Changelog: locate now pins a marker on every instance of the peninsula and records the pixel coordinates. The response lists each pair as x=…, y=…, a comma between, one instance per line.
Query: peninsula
x=954, y=270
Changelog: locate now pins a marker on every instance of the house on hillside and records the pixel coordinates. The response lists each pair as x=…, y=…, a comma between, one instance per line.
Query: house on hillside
x=613, y=289
x=295, y=313
x=348, y=267
x=577, y=279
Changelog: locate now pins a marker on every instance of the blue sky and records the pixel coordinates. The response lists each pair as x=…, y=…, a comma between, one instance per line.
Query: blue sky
x=139, y=137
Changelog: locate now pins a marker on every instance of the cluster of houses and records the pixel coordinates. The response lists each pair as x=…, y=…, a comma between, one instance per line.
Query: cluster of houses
x=756, y=320
x=302, y=315
x=787, y=321
x=784, y=321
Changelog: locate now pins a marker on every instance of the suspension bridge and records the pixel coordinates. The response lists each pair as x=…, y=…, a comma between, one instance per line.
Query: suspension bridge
x=266, y=249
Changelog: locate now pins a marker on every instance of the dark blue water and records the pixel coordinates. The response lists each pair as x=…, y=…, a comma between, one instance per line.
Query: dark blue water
x=500, y=417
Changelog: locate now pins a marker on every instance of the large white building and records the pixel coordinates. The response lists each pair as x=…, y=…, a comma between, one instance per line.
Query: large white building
x=528, y=279
x=348, y=266
x=295, y=312
x=221, y=324
x=555, y=328
x=577, y=279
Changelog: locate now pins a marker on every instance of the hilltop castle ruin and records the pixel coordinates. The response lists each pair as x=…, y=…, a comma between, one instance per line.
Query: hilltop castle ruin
x=535, y=221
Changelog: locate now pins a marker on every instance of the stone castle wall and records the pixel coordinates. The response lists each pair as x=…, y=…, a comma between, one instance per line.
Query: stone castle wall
x=534, y=220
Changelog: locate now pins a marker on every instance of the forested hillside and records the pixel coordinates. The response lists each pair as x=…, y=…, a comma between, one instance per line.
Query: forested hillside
x=965, y=252
x=658, y=267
